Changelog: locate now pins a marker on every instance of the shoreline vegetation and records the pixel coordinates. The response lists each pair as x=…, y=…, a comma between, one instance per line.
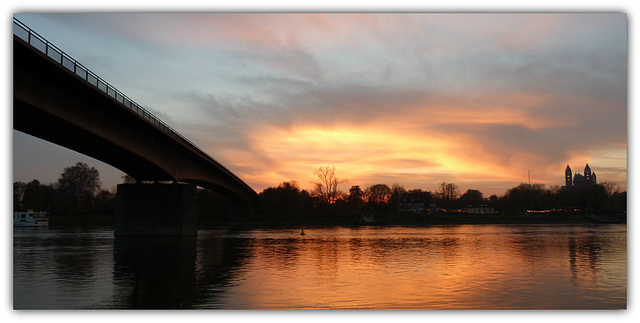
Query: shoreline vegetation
x=77, y=200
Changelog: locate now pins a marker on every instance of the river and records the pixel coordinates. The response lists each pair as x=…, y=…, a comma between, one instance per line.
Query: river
x=437, y=267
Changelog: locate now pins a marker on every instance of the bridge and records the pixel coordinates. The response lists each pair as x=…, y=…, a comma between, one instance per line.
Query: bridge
x=59, y=100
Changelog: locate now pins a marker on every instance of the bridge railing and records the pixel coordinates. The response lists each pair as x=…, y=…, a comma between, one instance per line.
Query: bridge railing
x=40, y=43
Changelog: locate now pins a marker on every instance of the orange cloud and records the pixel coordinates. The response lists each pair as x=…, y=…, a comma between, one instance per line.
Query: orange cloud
x=364, y=154
x=490, y=142
x=414, y=144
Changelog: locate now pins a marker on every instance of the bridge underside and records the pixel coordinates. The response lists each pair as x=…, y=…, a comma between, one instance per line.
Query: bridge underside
x=56, y=105
x=45, y=126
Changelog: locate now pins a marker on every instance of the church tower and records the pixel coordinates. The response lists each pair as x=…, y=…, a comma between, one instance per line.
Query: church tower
x=587, y=174
x=567, y=177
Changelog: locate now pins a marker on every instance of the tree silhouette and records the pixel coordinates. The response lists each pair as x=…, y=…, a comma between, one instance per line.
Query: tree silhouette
x=127, y=179
x=18, y=194
x=33, y=196
x=355, y=200
x=397, y=191
x=285, y=202
x=104, y=203
x=379, y=193
x=448, y=194
x=76, y=187
x=326, y=188
x=610, y=187
x=378, y=196
x=471, y=198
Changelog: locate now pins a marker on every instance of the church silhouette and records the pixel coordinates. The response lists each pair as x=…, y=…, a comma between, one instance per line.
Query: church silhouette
x=578, y=180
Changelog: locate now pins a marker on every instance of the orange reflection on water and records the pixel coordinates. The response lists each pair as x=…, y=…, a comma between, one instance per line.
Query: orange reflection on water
x=483, y=267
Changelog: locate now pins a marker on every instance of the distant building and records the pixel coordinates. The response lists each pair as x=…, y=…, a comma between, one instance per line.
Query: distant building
x=588, y=176
x=578, y=179
x=568, y=176
x=414, y=202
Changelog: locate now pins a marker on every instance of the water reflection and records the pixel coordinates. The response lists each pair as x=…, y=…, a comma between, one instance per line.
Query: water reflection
x=220, y=262
x=154, y=272
x=444, y=267
x=175, y=272
x=60, y=269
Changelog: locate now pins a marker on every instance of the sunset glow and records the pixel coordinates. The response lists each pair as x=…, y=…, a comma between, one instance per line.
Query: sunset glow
x=486, y=101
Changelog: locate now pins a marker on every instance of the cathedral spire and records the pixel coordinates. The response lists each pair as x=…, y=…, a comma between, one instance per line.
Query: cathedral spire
x=568, y=178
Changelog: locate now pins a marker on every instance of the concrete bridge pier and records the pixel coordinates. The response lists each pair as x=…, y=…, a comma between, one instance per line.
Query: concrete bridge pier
x=156, y=210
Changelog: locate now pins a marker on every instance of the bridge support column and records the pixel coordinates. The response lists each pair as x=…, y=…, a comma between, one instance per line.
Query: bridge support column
x=156, y=210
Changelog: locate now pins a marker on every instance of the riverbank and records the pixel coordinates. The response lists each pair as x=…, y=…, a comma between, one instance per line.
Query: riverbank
x=444, y=219
x=422, y=220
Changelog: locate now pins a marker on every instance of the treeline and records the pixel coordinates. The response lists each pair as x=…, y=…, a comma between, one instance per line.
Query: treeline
x=587, y=198
x=288, y=203
x=77, y=192
x=77, y=198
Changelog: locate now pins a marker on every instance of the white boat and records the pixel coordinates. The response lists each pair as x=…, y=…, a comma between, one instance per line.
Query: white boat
x=30, y=219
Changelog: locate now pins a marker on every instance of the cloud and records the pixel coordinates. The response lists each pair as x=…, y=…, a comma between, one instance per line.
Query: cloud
x=409, y=98
x=369, y=132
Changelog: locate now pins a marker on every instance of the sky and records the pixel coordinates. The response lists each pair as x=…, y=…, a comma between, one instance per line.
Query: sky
x=485, y=101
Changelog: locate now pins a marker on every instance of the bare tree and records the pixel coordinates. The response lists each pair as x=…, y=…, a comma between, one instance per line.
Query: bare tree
x=18, y=194
x=610, y=187
x=397, y=189
x=448, y=193
x=327, y=185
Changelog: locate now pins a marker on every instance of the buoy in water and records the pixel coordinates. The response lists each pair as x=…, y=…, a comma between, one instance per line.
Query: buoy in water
x=302, y=233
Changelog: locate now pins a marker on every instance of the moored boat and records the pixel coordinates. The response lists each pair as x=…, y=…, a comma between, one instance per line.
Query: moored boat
x=30, y=219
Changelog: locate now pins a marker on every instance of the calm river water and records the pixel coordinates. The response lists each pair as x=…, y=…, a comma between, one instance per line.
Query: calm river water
x=439, y=267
